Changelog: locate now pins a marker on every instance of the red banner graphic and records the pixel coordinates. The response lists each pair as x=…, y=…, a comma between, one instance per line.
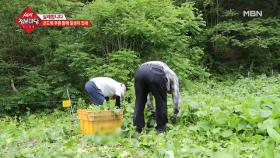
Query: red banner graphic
x=29, y=20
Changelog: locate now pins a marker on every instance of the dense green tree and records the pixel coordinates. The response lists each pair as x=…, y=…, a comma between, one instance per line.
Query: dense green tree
x=193, y=37
x=43, y=64
x=237, y=44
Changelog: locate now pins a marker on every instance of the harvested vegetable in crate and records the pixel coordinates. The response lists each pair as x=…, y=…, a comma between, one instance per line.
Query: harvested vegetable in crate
x=100, y=119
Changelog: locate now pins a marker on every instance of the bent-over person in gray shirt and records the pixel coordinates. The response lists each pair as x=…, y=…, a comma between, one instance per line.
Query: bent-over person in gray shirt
x=156, y=79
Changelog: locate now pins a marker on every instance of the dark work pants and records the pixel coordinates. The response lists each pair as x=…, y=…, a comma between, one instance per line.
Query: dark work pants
x=150, y=78
x=96, y=95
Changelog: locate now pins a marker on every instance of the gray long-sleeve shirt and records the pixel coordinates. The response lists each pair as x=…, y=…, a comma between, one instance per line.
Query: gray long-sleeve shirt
x=172, y=86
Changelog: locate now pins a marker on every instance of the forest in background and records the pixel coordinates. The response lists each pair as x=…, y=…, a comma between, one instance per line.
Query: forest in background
x=198, y=39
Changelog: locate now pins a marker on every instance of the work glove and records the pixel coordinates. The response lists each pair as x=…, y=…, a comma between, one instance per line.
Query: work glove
x=173, y=118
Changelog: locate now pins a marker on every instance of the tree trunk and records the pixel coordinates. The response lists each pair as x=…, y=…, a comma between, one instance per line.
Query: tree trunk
x=13, y=86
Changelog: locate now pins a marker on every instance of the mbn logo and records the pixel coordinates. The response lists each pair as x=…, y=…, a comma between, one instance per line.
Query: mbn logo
x=252, y=13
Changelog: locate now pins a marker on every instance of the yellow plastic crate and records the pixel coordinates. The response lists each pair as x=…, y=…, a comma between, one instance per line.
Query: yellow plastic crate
x=102, y=122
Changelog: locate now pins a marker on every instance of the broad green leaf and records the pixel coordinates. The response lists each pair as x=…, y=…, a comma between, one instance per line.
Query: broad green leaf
x=169, y=154
x=273, y=134
x=223, y=155
x=226, y=133
x=70, y=143
x=265, y=113
x=268, y=148
x=221, y=118
x=205, y=125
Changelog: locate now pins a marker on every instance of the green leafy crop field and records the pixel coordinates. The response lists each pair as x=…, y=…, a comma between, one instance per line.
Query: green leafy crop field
x=217, y=119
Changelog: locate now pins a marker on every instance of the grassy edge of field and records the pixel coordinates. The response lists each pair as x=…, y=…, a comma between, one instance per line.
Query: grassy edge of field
x=217, y=119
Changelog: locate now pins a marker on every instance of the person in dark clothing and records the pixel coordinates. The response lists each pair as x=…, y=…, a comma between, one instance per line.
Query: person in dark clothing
x=157, y=78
